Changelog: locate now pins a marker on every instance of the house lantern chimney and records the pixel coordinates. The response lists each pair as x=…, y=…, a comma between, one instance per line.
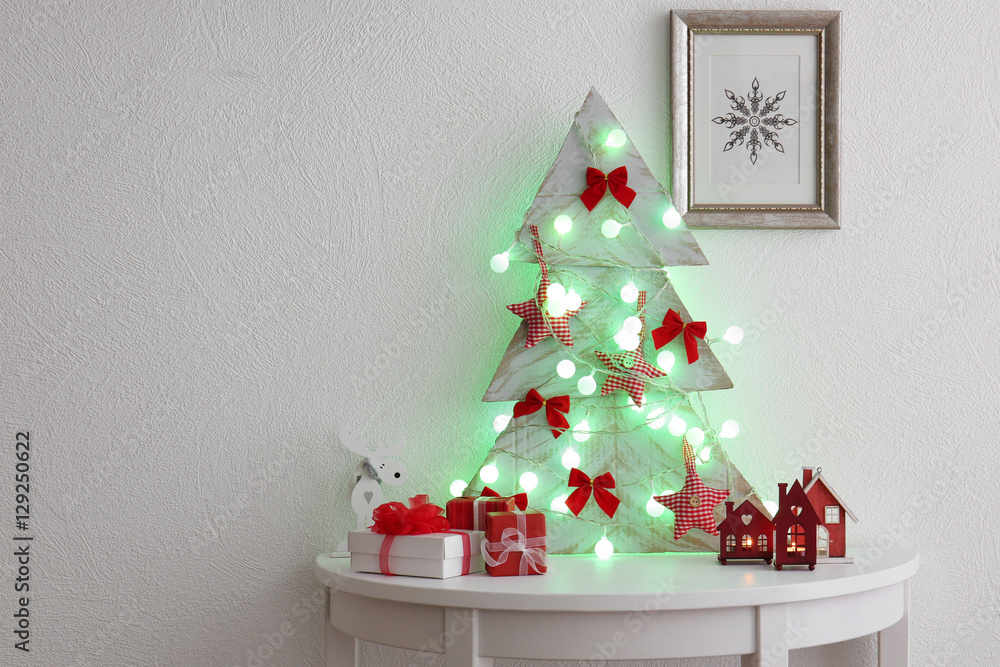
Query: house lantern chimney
x=807, y=475
x=782, y=488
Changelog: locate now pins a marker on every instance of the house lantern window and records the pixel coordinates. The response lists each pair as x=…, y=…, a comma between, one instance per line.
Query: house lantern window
x=796, y=540
x=832, y=514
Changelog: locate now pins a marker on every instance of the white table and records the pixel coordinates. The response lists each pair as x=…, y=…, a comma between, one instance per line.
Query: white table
x=633, y=606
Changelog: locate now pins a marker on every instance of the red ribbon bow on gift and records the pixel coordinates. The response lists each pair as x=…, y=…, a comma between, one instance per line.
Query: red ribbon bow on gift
x=673, y=325
x=598, y=183
x=599, y=486
x=520, y=499
x=398, y=519
x=555, y=409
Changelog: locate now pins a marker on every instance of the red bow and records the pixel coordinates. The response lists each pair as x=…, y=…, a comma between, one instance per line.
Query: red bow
x=673, y=325
x=555, y=409
x=600, y=485
x=598, y=184
x=398, y=519
x=520, y=499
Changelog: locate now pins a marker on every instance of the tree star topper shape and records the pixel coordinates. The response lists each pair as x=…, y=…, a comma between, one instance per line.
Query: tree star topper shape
x=540, y=324
x=693, y=505
x=628, y=370
x=754, y=120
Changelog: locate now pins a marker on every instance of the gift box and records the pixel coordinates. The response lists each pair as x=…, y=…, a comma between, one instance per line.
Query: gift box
x=439, y=555
x=469, y=512
x=515, y=543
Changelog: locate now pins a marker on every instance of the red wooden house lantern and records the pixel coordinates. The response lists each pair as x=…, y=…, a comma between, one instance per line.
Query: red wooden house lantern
x=795, y=528
x=745, y=534
x=832, y=538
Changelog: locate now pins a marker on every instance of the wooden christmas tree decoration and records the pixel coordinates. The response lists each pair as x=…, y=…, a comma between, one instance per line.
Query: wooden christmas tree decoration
x=603, y=230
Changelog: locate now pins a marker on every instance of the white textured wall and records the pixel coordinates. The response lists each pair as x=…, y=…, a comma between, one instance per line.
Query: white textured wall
x=228, y=230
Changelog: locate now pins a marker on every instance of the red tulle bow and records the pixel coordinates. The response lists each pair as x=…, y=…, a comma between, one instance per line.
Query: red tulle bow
x=398, y=519
x=520, y=499
x=598, y=183
x=599, y=486
x=673, y=325
x=555, y=409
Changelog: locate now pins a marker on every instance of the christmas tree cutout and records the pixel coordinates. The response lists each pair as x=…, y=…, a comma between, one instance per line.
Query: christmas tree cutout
x=613, y=276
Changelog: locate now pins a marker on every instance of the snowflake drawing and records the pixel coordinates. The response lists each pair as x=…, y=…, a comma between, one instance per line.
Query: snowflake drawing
x=751, y=127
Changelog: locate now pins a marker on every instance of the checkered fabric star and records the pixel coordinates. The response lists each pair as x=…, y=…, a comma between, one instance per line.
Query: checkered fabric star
x=693, y=504
x=541, y=325
x=628, y=369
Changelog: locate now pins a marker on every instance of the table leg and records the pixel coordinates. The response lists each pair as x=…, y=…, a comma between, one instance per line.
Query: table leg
x=772, y=638
x=461, y=640
x=894, y=641
x=341, y=648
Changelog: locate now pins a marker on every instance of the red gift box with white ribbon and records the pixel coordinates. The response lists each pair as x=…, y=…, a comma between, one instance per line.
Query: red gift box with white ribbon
x=469, y=512
x=515, y=543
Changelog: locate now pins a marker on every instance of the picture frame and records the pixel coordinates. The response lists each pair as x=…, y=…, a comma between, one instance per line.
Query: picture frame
x=756, y=108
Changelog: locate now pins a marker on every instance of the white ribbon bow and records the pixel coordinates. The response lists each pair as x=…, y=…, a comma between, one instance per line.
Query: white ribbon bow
x=516, y=540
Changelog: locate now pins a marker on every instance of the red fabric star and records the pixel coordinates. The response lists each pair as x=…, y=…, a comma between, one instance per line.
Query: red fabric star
x=628, y=369
x=693, y=505
x=541, y=325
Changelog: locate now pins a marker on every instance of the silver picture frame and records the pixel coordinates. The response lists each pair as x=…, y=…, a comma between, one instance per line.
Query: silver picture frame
x=819, y=208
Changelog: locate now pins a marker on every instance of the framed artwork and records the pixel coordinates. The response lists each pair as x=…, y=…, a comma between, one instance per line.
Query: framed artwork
x=755, y=98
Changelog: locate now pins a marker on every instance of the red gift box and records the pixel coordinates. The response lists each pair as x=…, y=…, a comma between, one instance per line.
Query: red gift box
x=515, y=543
x=469, y=513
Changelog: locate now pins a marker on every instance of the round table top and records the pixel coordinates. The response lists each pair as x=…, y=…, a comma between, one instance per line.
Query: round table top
x=626, y=581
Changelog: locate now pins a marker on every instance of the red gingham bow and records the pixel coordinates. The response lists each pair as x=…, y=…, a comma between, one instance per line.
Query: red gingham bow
x=555, y=409
x=598, y=183
x=673, y=325
x=599, y=486
x=520, y=499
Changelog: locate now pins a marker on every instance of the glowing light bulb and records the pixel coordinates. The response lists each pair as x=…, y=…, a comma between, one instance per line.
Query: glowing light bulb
x=705, y=455
x=610, y=228
x=489, y=473
x=555, y=303
x=632, y=325
x=616, y=139
x=695, y=436
x=657, y=418
x=604, y=548
x=566, y=368
x=581, y=433
x=733, y=335
x=500, y=262
x=528, y=481
x=730, y=429
x=630, y=293
x=677, y=426
x=671, y=218
x=457, y=488
x=654, y=508
x=500, y=423
x=559, y=504
x=627, y=341
x=563, y=223
x=572, y=300
x=587, y=385
x=570, y=459
x=665, y=360
x=771, y=507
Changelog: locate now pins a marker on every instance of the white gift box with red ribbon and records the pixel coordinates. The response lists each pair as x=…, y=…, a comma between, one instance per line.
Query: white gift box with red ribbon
x=437, y=555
